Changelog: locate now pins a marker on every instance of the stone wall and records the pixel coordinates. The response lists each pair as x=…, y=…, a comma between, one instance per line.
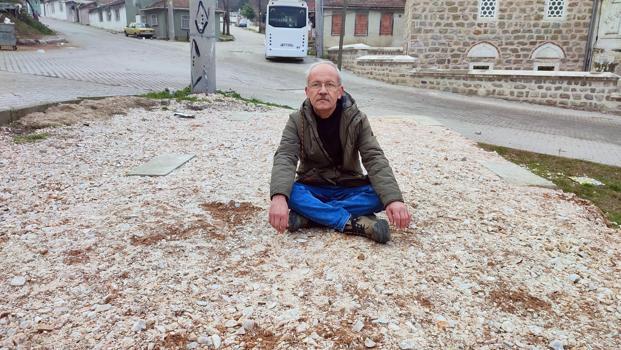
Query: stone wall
x=576, y=90
x=441, y=32
x=391, y=69
x=352, y=52
x=589, y=91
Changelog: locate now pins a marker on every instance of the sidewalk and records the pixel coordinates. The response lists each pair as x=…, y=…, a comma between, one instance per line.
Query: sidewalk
x=94, y=258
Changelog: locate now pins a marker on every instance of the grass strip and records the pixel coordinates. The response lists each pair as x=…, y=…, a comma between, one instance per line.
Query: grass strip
x=30, y=138
x=255, y=101
x=184, y=94
x=559, y=170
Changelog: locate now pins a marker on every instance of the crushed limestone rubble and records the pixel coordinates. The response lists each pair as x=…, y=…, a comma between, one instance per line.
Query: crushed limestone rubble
x=91, y=258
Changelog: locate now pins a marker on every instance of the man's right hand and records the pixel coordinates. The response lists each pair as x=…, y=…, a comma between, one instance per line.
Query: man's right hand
x=279, y=213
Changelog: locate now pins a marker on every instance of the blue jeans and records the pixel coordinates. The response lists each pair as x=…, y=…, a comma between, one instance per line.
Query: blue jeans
x=333, y=206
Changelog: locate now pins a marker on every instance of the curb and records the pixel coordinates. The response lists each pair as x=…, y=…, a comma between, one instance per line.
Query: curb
x=35, y=42
x=11, y=115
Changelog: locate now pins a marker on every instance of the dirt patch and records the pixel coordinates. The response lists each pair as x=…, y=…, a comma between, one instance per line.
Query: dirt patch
x=231, y=213
x=423, y=301
x=518, y=302
x=84, y=112
x=174, y=341
x=172, y=232
x=574, y=309
x=76, y=256
x=260, y=339
x=344, y=337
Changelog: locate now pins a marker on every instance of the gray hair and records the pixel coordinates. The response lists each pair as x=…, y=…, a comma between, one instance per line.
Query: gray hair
x=328, y=63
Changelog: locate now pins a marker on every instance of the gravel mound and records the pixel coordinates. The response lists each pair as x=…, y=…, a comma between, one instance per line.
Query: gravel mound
x=91, y=258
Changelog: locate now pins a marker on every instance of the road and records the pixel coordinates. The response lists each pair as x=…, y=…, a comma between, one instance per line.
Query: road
x=99, y=63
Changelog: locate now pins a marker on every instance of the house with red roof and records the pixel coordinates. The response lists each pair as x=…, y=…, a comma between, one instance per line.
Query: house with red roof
x=377, y=23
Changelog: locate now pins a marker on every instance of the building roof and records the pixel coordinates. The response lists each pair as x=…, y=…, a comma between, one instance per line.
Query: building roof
x=360, y=4
x=161, y=4
x=103, y=4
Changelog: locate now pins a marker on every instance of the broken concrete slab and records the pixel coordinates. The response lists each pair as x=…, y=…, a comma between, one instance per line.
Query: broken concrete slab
x=515, y=174
x=583, y=180
x=161, y=165
x=428, y=121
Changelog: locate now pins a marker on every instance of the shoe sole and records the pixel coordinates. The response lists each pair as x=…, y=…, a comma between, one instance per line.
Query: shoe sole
x=381, y=231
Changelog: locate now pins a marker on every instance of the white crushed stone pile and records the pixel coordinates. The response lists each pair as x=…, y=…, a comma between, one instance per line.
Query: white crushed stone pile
x=90, y=258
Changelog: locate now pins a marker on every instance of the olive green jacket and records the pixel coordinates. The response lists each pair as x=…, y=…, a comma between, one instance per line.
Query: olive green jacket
x=316, y=167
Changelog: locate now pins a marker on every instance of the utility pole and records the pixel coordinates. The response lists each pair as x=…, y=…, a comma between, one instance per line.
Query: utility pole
x=203, y=45
x=171, y=20
x=319, y=28
x=342, y=35
x=261, y=27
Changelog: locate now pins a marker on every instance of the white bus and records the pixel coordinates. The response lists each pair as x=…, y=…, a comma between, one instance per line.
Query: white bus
x=286, y=29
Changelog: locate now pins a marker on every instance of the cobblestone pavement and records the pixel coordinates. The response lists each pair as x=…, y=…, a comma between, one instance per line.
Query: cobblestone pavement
x=125, y=65
x=99, y=63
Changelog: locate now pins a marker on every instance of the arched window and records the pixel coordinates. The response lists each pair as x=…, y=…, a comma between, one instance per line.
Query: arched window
x=482, y=56
x=547, y=57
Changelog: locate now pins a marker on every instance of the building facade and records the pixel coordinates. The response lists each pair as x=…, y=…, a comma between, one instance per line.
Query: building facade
x=499, y=34
x=156, y=16
x=607, y=51
x=111, y=16
x=56, y=9
x=373, y=22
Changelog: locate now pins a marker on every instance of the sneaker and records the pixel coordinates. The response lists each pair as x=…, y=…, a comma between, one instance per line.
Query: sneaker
x=297, y=221
x=370, y=227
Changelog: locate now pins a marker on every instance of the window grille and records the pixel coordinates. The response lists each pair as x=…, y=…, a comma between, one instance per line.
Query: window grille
x=386, y=23
x=487, y=8
x=337, y=24
x=555, y=9
x=117, y=14
x=154, y=20
x=185, y=22
x=361, y=26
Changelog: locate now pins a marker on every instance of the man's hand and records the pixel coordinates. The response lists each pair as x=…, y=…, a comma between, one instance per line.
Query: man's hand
x=279, y=213
x=398, y=215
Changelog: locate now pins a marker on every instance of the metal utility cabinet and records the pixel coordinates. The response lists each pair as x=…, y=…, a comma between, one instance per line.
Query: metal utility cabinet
x=7, y=36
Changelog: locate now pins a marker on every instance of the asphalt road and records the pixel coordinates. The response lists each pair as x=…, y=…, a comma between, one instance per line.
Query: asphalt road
x=99, y=63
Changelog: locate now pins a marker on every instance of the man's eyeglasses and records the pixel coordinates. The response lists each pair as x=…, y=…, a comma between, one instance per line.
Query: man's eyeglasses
x=330, y=85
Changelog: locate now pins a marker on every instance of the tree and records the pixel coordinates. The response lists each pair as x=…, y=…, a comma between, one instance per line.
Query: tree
x=248, y=12
x=226, y=23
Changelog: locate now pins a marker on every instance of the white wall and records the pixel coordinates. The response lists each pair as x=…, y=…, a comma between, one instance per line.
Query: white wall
x=111, y=24
x=56, y=9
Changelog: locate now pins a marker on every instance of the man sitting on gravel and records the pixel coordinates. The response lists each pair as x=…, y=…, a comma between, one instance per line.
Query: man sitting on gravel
x=328, y=134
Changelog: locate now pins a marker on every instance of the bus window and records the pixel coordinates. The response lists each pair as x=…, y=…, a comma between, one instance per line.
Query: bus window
x=287, y=17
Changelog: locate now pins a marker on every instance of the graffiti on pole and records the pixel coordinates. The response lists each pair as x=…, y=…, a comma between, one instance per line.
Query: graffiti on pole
x=203, y=46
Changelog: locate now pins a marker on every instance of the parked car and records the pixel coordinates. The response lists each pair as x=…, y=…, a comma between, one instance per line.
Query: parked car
x=243, y=23
x=139, y=30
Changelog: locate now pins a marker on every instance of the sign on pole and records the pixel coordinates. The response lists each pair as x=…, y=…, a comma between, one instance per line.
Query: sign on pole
x=203, y=45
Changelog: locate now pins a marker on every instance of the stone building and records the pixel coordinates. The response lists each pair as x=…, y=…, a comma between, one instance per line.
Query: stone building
x=607, y=51
x=499, y=34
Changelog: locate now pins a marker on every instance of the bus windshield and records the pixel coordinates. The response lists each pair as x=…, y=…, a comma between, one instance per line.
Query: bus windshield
x=287, y=17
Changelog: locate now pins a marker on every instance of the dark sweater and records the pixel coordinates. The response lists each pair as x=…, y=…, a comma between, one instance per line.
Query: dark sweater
x=329, y=133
